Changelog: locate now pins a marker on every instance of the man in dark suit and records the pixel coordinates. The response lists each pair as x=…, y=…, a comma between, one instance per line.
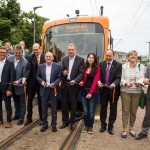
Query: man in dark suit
x=33, y=86
x=6, y=79
x=48, y=76
x=25, y=51
x=72, y=74
x=18, y=90
x=110, y=90
x=146, y=121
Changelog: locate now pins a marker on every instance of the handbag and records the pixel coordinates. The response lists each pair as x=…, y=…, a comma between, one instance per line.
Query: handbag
x=142, y=101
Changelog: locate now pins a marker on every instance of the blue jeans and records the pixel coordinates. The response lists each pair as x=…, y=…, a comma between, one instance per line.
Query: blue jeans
x=20, y=108
x=89, y=108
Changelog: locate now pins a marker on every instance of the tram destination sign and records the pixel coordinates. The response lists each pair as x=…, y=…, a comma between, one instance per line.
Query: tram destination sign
x=76, y=28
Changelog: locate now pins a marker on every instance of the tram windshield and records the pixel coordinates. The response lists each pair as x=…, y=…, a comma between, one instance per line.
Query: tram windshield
x=88, y=37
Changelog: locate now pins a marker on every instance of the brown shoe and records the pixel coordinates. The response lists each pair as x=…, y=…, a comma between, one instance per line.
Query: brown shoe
x=7, y=125
x=1, y=122
x=85, y=129
x=90, y=131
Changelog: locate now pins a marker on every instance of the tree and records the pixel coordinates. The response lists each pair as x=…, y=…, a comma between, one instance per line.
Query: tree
x=9, y=18
x=26, y=26
x=16, y=25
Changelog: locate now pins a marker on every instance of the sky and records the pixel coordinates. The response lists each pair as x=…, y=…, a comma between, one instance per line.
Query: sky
x=129, y=19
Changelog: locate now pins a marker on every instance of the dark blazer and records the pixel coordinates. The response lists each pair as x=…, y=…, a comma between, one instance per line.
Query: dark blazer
x=77, y=69
x=19, y=72
x=31, y=69
x=147, y=75
x=25, y=53
x=7, y=76
x=115, y=74
x=55, y=76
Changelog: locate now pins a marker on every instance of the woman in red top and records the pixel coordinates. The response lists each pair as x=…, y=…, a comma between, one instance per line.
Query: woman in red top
x=90, y=91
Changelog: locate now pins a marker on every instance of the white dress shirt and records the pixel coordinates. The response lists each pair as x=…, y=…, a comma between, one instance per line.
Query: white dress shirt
x=71, y=61
x=1, y=67
x=16, y=62
x=48, y=73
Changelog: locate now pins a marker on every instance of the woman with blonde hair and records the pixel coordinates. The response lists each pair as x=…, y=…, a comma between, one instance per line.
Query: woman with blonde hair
x=131, y=83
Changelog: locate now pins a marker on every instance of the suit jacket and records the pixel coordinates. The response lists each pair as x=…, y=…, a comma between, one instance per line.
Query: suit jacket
x=18, y=74
x=76, y=72
x=114, y=75
x=25, y=53
x=147, y=76
x=55, y=76
x=7, y=76
x=31, y=69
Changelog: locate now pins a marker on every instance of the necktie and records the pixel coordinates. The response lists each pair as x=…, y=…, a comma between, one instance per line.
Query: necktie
x=107, y=74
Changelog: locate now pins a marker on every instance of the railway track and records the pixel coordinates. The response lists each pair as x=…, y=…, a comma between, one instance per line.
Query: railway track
x=72, y=138
x=17, y=135
x=69, y=142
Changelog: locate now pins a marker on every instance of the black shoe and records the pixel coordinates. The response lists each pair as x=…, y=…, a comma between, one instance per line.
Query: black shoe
x=141, y=136
x=20, y=122
x=102, y=129
x=44, y=128
x=111, y=131
x=72, y=127
x=64, y=125
x=54, y=129
x=15, y=118
x=40, y=123
x=27, y=122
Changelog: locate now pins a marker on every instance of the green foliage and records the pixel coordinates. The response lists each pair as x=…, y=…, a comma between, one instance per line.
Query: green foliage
x=16, y=25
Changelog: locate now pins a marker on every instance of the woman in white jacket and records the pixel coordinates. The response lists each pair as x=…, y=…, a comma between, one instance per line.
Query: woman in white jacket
x=131, y=83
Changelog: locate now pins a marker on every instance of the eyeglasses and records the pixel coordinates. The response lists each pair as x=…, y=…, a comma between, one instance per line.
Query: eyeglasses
x=71, y=49
x=35, y=50
x=3, y=53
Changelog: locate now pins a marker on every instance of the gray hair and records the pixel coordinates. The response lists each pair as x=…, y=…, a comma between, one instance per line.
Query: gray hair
x=131, y=52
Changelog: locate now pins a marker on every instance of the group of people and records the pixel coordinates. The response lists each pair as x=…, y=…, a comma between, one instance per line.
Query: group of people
x=42, y=75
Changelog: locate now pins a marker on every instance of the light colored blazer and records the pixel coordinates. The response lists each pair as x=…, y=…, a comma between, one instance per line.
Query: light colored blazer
x=126, y=74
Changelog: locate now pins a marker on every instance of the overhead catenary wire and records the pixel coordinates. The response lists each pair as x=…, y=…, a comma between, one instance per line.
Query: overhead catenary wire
x=92, y=7
x=134, y=25
x=96, y=7
x=134, y=16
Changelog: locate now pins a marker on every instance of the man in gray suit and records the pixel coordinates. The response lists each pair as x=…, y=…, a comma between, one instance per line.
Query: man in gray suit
x=18, y=90
x=25, y=51
x=72, y=74
x=48, y=76
x=146, y=121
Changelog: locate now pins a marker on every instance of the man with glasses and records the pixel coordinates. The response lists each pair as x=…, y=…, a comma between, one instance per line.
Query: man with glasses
x=6, y=79
x=33, y=86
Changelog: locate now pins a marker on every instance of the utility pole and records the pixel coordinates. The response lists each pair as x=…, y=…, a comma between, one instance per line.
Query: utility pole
x=34, y=8
x=148, y=51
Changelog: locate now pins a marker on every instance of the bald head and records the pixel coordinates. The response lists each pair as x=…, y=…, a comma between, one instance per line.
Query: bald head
x=109, y=55
x=36, y=49
x=49, y=58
